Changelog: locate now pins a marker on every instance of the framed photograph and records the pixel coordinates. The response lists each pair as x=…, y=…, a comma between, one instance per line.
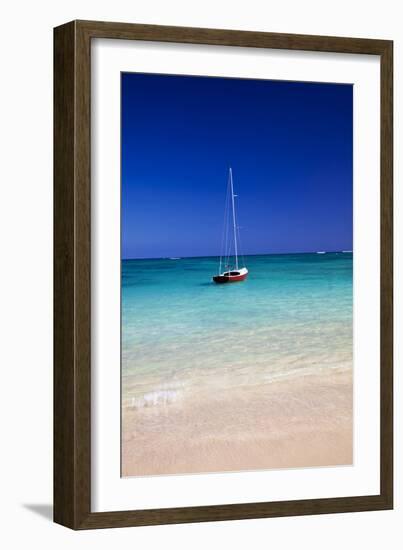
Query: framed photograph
x=222, y=275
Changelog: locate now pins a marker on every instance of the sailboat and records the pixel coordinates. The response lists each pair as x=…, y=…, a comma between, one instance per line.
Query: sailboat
x=231, y=273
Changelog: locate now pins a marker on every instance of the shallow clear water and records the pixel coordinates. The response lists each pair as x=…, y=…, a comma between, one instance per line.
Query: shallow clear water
x=182, y=333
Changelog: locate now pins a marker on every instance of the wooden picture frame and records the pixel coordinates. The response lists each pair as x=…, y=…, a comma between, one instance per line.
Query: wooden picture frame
x=72, y=270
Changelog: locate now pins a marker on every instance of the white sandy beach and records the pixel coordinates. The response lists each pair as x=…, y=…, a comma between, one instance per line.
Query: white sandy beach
x=301, y=421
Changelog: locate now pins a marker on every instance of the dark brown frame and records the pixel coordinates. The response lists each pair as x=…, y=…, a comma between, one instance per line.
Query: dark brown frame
x=72, y=267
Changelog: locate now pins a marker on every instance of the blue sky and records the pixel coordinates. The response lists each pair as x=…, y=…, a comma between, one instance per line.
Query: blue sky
x=289, y=145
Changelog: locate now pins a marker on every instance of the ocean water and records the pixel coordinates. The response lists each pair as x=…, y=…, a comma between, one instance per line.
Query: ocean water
x=183, y=334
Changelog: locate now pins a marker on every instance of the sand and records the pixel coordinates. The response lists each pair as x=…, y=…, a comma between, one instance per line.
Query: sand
x=289, y=423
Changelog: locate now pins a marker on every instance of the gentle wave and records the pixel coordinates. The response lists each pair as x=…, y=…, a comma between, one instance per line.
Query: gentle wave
x=153, y=398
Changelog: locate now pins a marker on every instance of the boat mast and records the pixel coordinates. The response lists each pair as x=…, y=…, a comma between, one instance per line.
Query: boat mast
x=233, y=218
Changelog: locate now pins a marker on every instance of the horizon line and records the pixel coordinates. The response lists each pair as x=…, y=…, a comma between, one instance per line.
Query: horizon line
x=243, y=255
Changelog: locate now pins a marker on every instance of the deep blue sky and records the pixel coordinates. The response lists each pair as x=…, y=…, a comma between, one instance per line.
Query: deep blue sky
x=289, y=145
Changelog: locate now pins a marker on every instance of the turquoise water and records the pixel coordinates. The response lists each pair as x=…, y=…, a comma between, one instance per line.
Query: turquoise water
x=181, y=332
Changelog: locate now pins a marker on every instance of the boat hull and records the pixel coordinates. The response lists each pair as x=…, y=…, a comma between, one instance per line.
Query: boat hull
x=221, y=279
